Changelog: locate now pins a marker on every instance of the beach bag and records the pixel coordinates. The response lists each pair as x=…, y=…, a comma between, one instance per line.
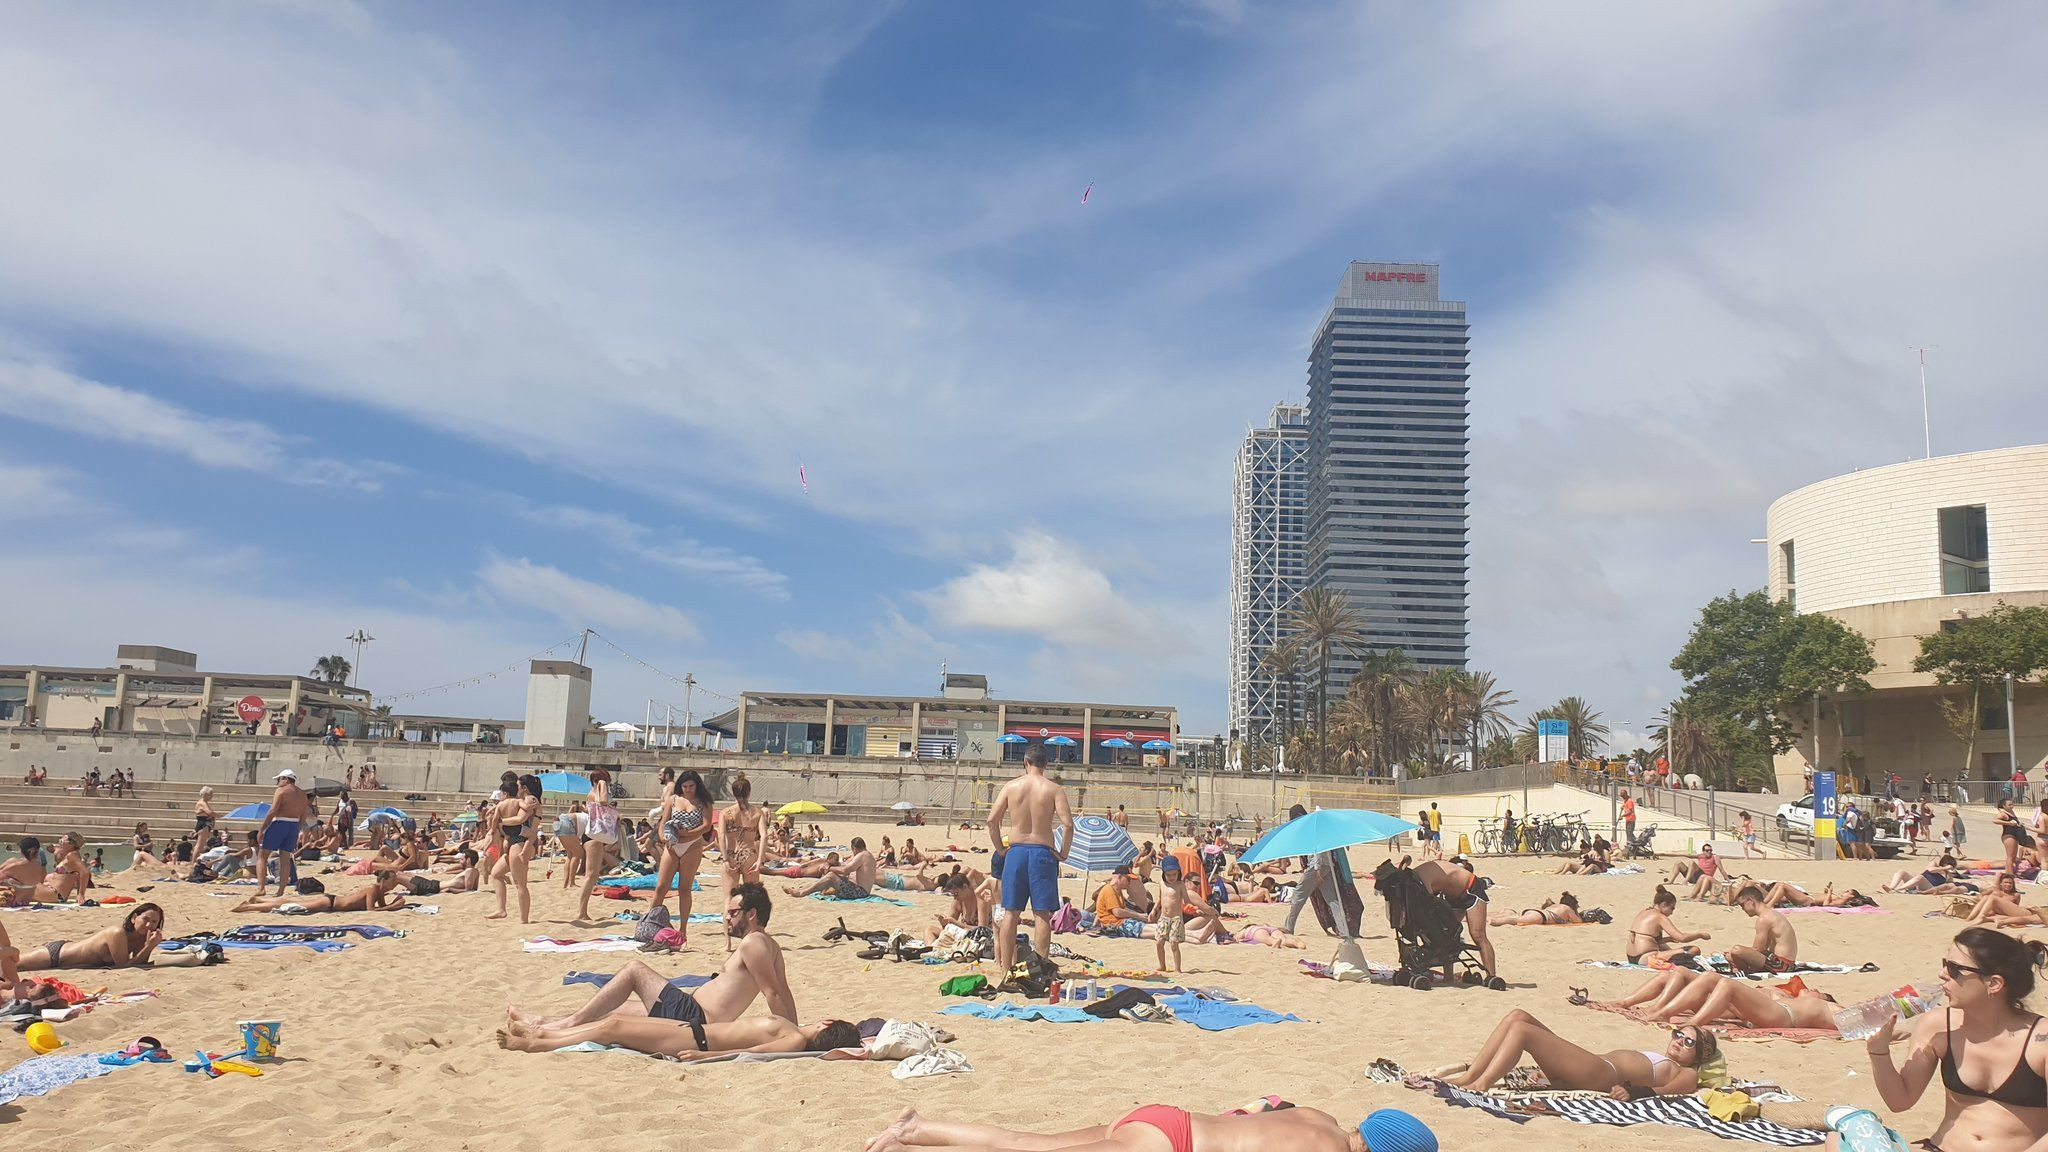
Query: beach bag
x=902, y=1039
x=652, y=924
x=604, y=819
x=962, y=986
x=1067, y=919
x=1113, y=1005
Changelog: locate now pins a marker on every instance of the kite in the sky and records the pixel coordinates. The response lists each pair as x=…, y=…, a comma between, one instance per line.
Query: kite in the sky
x=803, y=478
x=1086, y=192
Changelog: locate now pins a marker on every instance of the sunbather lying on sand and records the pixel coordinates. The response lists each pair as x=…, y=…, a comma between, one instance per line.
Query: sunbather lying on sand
x=1694, y=998
x=1621, y=1073
x=1782, y=895
x=381, y=896
x=129, y=943
x=1563, y=910
x=684, y=1039
x=1163, y=1128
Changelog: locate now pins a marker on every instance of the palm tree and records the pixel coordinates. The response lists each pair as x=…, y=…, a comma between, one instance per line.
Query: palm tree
x=332, y=669
x=1283, y=661
x=1586, y=728
x=1690, y=742
x=1324, y=621
x=1426, y=712
x=1485, y=706
x=1381, y=675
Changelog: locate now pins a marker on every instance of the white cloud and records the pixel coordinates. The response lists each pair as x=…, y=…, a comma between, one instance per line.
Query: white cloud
x=52, y=397
x=682, y=554
x=1047, y=590
x=520, y=582
x=892, y=643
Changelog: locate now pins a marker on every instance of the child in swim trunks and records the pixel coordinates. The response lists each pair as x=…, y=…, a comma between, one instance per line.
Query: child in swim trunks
x=1173, y=924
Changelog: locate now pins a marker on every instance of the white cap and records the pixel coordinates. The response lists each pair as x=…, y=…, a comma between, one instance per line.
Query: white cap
x=287, y=774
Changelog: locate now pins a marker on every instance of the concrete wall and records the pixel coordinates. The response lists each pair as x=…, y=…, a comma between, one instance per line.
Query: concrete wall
x=1903, y=732
x=1872, y=537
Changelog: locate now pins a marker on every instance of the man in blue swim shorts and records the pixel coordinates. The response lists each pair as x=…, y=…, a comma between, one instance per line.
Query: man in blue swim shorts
x=289, y=809
x=1031, y=866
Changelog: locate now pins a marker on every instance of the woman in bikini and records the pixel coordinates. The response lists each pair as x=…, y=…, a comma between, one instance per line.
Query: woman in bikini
x=2002, y=900
x=2012, y=834
x=1942, y=879
x=129, y=943
x=1784, y=895
x=204, y=818
x=1652, y=935
x=516, y=824
x=686, y=830
x=600, y=834
x=1991, y=1053
x=380, y=895
x=1622, y=1073
x=145, y=848
x=1687, y=997
x=743, y=830
x=1563, y=910
x=1592, y=862
x=1270, y=1125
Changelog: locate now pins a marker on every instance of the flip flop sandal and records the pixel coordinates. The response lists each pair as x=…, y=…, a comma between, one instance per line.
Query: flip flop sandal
x=1578, y=997
x=871, y=953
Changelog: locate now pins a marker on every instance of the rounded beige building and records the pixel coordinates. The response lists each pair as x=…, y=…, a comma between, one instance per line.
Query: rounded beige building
x=1895, y=552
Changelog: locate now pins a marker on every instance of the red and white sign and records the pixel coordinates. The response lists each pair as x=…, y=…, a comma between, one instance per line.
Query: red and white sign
x=250, y=709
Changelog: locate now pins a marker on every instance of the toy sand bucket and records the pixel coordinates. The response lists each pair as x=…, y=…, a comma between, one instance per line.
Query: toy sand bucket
x=259, y=1038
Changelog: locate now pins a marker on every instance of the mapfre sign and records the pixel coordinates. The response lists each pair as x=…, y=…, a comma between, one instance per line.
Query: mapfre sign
x=1396, y=277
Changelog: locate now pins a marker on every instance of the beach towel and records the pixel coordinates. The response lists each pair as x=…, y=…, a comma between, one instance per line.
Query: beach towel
x=308, y=932
x=1219, y=1016
x=863, y=900
x=1719, y=963
x=602, y=978
x=1731, y=1029
x=42, y=1075
x=647, y=883
x=1865, y=910
x=254, y=945
x=1012, y=1010
x=1596, y=1108
x=601, y=944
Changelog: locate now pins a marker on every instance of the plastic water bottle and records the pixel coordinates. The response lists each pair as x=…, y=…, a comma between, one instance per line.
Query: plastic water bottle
x=1906, y=1001
x=1862, y=1131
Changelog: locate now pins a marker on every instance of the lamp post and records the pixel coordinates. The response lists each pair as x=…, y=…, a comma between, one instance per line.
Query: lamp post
x=357, y=638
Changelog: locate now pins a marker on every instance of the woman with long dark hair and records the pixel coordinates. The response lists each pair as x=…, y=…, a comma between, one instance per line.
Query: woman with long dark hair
x=516, y=821
x=686, y=830
x=1991, y=1053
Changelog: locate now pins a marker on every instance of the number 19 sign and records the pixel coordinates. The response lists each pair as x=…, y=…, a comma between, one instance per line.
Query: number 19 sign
x=1824, y=804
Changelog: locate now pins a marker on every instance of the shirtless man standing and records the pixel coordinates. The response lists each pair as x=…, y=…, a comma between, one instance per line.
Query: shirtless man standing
x=280, y=833
x=1776, y=947
x=1031, y=868
x=754, y=969
x=852, y=880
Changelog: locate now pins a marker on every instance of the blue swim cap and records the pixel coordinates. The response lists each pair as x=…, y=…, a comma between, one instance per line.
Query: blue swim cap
x=1392, y=1130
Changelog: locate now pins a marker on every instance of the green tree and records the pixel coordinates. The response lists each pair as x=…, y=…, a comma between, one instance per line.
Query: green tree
x=1692, y=743
x=1586, y=729
x=1325, y=623
x=1283, y=662
x=1499, y=750
x=1758, y=662
x=1380, y=679
x=332, y=669
x=1976, y=656
x=1485, y=707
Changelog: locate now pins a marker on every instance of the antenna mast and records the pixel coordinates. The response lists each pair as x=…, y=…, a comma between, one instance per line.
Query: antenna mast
x=1926, y=428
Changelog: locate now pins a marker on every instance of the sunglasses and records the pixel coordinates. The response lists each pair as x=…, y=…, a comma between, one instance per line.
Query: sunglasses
x=1684, y=1041
x=1955, y=971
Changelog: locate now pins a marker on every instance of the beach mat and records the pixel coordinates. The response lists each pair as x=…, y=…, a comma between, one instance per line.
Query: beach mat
x=1218, y=1016
x=863, y=900
x=42, y=1075
x=601, y=944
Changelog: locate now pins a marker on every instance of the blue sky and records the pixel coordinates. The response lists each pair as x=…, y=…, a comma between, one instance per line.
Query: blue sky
x=471, y=325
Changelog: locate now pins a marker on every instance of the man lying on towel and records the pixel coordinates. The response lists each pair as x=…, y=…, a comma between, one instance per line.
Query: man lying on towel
x=685, y=1039
x=753, y=969
x=381, y=895
x=853, y=879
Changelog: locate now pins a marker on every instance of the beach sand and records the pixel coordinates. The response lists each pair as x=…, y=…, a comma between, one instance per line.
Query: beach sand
x=391, y=1043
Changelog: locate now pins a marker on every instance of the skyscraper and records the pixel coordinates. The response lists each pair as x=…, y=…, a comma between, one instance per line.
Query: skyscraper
x=1386, y=462
x=1268, y=531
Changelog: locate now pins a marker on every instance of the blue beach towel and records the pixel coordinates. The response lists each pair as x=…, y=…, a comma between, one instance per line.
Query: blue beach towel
x=601, y=978
x=864, y=900
x=259, y=945
x=1211, y=1016
x=643, y=883
x=1011, y=1010
x=42, y=1075
x=276, y=932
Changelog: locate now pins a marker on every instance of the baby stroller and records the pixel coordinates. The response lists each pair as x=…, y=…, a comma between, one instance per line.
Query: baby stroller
x=1639, y=844
x=1429, y=934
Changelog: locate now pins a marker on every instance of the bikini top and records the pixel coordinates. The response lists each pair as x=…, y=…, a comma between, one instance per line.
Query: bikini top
x=2024, y=1088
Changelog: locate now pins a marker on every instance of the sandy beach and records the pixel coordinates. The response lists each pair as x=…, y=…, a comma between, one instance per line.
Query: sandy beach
x=391, y=1042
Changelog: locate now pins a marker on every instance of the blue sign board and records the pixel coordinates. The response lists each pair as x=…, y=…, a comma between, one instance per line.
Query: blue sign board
x=1824, y=812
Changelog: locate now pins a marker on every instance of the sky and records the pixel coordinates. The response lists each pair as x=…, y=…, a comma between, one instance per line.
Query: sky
x=472, y=326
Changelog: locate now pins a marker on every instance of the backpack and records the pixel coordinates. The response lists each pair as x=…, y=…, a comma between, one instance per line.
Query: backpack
x=651, y=924
x=1067, y=919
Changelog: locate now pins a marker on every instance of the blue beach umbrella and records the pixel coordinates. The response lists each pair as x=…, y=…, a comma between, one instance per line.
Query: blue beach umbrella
x=1099, y=846
x=564, y=782
x=394, y=813
x=1012, y=738
x=250, y=812
x=1117, y=742
x=1060, y=741
x=1157, y=745
x=1325, y=830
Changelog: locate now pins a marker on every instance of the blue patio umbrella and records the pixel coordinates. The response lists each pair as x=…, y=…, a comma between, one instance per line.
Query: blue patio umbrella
x=564, y=782
x=1060, y=741
x=1157, y=745
x=250, y=812
x=1117, y=742
x=393, y=813
x=1012, y=738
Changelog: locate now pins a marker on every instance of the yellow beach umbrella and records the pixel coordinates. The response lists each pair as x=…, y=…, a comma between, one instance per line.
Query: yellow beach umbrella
x=800, y=808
